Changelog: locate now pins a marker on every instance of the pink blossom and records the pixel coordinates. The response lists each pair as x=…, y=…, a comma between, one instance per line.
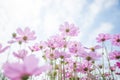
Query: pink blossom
x=114, y=55
x=63, y=54
x=35, y=47
x=113, y=68
x=3, y=49
x=68, y=74
x=51, y=55
x=118, y=64
x=90, y=56
x=22, y=71
x=85, y=66
x=69, y=29
x=38, y=46
x=116, y=40
x=103, y=37
x=75, y=47
x=21, y=54
x=56, y=54
x=117, y=73
x=59, y=40
x=25, y=35
x=74, y=66
x=106, y=74
x=56, y=41
x=94, y=48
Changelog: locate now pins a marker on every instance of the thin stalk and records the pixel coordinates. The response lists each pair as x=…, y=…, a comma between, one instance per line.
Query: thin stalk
x=63, y=71
x=102, y=75
x=103, y=57
x=108, y=60
x=8, y=55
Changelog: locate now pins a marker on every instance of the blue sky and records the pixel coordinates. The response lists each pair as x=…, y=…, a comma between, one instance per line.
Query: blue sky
x=45, y=16
x=111, y=15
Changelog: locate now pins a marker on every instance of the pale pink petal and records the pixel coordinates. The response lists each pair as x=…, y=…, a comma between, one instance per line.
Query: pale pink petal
x=13, y=70
x=20, y=31
x=43, y=68
x=2, y=50
x=11, y=41
x=27, y=30
x=31, y=63
x=0, y=46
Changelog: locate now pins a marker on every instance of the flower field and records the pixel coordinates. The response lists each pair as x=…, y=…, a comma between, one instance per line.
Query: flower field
x=65, y=57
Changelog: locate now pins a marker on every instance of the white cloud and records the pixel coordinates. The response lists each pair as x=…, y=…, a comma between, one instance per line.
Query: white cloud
x=59, y=11
x=104, y=27
x=45, y=16
x=94, y=9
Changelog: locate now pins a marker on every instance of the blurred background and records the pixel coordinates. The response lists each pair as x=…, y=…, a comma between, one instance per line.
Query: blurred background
x=45, y=16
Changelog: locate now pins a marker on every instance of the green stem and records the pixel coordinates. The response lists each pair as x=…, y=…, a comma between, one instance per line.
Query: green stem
x=108, y=60
x=103, y=57
x=102, y=75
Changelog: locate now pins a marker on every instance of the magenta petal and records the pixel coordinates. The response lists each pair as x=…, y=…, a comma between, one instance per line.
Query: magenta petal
x=11, y=71
x=43, y=68
x=19, y=31
x=11, y=41
x=0, y=46
x=31, y=63
x=27, y=30
x=2, y=50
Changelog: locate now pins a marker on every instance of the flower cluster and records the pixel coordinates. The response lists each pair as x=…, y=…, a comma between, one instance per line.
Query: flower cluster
x=65, y=57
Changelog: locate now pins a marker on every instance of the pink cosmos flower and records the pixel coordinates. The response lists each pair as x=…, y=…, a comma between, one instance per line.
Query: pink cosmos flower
x=73, y=65
x=51, y=55
x=69, y=29
x=94, y=48
x=25, y=35
x=3, y=49
x=113, y=68
x=116, y=40
x=63, y=54
x=22, y=71
x=117, y=73
x=85, y=66
x=75, y=47
x=90, y=56
x=38, y=46
x=118, y=64
x=56, y=41
x=103, y=37
x=35, y=47
x=114, y=55
x=21, y=54
x=68, y=74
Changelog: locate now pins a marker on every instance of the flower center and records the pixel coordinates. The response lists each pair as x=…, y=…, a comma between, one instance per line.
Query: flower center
x=52, y=55
x=61, y=56
x=25, y=38
x=41, y=47
x=86, y=69
x=100, y=66
x=76, y=51
x=67, y=30
x=25, y=77
x=117, y=57
x=14, y=35
x=103, y=39
x=92, y=49
x=118, y=40
x=88, y=58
